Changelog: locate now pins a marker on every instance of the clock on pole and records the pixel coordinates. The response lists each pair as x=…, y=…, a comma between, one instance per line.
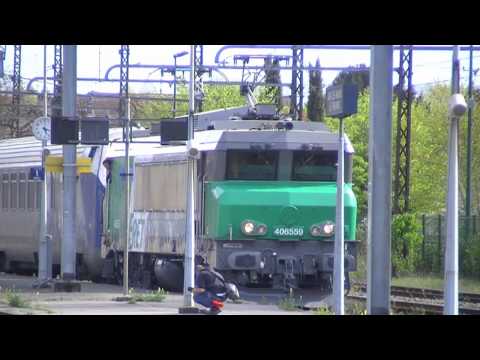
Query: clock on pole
x=41, y=128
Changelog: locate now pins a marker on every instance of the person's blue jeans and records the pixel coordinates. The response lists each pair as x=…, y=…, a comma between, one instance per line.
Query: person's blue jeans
x=205, y=298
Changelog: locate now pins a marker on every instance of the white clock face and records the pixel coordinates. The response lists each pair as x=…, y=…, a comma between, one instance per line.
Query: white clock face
x=41, y=128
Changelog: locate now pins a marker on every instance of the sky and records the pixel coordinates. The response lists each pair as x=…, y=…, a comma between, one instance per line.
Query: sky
x=94, y=60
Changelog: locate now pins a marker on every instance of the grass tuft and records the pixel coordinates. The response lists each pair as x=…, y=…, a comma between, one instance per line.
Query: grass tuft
x=289, y=303
x=323, y=311
x=155, y=296
x=14, y=299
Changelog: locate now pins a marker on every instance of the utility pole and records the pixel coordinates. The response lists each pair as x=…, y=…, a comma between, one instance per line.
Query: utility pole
x=451, y=246
x=124, y=111
x=69, y=94
x=380, y=181
x=469, y=143
x=189, y=264
x=401, y=185
x=127, y=198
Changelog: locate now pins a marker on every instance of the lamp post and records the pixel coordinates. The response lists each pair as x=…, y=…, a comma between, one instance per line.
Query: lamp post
x=177, y=55
x=189, y=261
x=456, y=108
x=341, y=102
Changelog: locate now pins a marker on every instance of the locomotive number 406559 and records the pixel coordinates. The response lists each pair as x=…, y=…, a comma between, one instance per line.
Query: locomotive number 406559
x=283, y=231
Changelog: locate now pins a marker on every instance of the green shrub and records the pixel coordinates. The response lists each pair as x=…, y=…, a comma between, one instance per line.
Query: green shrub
x=470, y=259
x=406, y=244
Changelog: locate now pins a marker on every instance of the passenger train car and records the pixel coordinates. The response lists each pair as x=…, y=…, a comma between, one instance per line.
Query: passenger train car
x=265, y=204
x=20, y=200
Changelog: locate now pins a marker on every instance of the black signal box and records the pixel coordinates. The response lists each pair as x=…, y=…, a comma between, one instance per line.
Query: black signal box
x=341, y=100
x=95, y=131
x=173, y=130
x=64, y=131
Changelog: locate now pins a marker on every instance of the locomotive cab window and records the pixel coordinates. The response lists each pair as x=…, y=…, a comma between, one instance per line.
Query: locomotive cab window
x=314, y=166
x=251, y=165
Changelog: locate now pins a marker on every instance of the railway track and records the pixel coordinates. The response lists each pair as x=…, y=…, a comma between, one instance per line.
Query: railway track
x=472, y=298
x=424, y=301
x=417, y=307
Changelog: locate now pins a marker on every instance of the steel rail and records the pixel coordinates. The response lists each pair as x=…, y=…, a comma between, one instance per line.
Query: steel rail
x=425, y=293
x=427, y=308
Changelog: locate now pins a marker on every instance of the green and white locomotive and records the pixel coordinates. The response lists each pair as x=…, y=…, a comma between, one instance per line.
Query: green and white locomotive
x=265, y=200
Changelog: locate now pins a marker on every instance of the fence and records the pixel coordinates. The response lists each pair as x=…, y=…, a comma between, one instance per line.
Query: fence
x=433, y=244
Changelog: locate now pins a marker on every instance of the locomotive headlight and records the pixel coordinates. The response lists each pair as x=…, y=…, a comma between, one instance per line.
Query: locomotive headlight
x=315, y=230
x=261, y=229
x=248, y=227
x=328, y=229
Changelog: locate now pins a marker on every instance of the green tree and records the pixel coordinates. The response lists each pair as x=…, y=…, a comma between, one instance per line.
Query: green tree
x=315, y=104
x=222, y=97
x=360, y=77
x=216, y=97
x=272, y=94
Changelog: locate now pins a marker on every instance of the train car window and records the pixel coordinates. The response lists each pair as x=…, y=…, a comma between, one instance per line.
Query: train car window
x=31, y=195
x=251, y=165
x=314, y=166
x=22, y=191
x=5, y=194
x=13, y=191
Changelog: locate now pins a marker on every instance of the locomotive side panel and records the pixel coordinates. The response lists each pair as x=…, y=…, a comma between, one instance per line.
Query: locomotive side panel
x=157, y=214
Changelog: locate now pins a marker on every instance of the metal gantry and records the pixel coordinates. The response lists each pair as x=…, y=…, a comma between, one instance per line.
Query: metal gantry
x=296, y=102
x=404, y=126
x=16, y=89
x=199, y=71
x=124, y=67
x=57, y=70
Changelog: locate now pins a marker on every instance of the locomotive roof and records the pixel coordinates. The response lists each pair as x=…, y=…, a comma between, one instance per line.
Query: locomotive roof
x=229, y=134
x=148, y=149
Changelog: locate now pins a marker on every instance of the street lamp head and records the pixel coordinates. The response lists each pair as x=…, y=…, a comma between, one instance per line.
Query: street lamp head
x=457, y=106
x=180, y=54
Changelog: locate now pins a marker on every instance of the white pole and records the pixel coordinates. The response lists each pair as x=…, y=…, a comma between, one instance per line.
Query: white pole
x=451, y=244
x=380, y=181
x=338, y=272
x=189, y=277
x=44, y=272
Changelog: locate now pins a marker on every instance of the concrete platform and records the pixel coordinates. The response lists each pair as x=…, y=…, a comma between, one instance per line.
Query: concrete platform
x=98, y=299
